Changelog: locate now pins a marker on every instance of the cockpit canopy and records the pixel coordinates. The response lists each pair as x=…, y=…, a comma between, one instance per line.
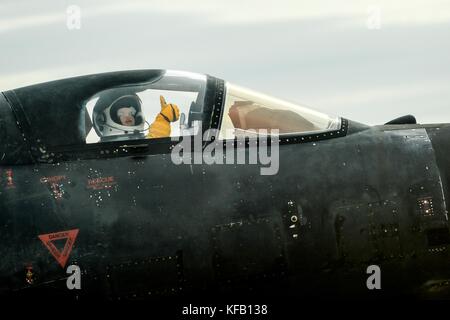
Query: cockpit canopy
x=125, y=105
x=184, y=91
x=246, y=112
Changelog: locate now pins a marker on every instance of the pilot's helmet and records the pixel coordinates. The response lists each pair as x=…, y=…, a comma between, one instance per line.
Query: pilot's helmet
x=106, y=115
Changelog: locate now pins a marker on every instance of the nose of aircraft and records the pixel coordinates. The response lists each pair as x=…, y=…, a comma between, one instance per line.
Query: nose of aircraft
x=13, y=147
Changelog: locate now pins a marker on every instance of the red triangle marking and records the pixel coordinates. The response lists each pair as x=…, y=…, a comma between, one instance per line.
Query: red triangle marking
x=63, y=256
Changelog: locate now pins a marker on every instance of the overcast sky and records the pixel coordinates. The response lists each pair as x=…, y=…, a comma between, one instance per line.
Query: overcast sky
x=370, y=61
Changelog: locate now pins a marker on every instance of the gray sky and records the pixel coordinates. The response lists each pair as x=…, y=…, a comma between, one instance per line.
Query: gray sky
x=369, y=61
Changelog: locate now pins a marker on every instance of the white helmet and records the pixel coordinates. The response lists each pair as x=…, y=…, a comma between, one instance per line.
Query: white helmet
x=106, y=121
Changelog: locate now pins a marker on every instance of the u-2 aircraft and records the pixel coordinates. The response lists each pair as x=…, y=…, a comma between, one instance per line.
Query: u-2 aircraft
x=80, y=189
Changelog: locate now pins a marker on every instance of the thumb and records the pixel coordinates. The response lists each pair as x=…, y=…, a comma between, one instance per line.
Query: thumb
x=163, y=102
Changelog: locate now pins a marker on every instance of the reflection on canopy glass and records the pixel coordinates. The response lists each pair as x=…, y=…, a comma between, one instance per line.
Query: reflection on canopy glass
x=248, y=112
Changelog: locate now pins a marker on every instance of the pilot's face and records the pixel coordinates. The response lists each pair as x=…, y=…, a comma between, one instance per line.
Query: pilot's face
x=126, y=116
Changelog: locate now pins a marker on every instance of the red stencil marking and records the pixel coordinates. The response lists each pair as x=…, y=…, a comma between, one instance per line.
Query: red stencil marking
x=60, y=256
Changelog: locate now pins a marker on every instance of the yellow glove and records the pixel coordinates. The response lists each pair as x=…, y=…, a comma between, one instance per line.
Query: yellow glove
x=160, y=128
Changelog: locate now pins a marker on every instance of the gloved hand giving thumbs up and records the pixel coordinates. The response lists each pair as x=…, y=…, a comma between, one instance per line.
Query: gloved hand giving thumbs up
x=160, y=128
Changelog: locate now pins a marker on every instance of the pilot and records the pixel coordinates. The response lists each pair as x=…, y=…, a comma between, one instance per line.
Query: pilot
x=117, y=115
